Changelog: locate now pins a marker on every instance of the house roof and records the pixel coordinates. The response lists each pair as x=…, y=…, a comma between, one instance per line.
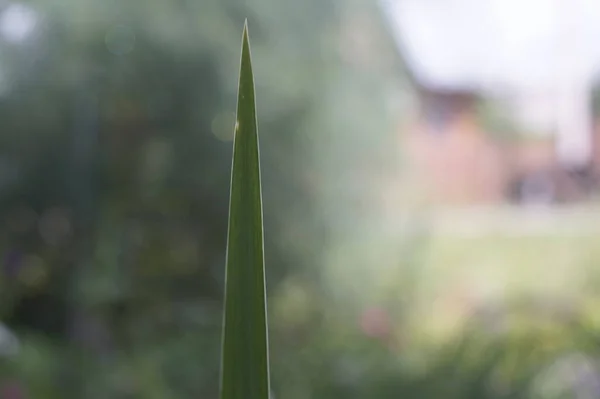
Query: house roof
x=496, y=45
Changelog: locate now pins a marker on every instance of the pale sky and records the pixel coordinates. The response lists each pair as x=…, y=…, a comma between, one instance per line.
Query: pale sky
x=497, y=43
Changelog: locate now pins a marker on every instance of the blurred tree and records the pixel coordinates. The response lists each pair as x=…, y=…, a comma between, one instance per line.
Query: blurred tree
x=117, y=120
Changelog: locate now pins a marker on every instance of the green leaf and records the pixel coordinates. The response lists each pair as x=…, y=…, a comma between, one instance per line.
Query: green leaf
x=245, y=355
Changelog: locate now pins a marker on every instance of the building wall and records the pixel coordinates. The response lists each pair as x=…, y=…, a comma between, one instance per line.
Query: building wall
x=457, y=162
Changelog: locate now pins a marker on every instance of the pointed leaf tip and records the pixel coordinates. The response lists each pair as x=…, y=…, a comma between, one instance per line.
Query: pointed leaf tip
x=245, y=39
x=245, y=350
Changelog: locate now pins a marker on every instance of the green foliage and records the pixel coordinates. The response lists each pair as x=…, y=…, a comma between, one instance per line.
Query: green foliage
x=124, y=148
x=245, y=363
x=113, y=208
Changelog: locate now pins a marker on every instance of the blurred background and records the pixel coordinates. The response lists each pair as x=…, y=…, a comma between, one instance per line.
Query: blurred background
x=431, y=170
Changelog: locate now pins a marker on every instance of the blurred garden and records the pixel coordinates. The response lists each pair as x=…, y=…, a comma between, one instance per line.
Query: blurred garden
x=115, y=157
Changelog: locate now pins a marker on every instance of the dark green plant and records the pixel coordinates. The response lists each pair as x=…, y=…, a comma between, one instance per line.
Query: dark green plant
x=245, y=357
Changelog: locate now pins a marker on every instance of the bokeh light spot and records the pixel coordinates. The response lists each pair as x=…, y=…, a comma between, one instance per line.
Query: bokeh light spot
x=224, y=125
x=17, y=22
x=33, y=274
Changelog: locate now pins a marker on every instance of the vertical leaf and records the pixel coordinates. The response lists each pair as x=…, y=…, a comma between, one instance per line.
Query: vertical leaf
x=245, y=364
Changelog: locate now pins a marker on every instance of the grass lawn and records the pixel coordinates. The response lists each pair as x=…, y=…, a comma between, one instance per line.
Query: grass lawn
x=470, y=260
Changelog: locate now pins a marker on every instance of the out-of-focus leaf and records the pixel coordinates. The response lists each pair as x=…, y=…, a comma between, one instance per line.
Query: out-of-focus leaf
x=245, y=364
